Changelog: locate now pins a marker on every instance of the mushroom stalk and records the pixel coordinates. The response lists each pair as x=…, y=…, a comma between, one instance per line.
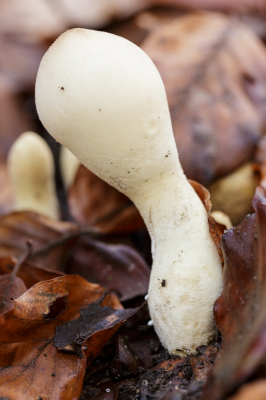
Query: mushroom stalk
x=186, y=274
x=102, y=97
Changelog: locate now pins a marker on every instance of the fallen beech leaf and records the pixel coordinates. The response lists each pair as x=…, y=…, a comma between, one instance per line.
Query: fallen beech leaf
x=240, y=246
x=240, y=311
x=13, y=119
x=31, y=365
x=255, y=390
x=218, y=5
x=124, y=362
x=6, y=195
x=93, y=202
x=29, y=272
x=116, y=267
x=214, y=71
x=18, y=227
x=11, y=287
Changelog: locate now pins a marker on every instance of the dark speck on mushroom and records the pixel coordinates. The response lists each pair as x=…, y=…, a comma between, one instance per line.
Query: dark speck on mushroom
x=163, y=283
x=62, y=88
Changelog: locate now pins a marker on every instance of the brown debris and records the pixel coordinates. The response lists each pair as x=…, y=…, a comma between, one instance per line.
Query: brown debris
x=214, y=90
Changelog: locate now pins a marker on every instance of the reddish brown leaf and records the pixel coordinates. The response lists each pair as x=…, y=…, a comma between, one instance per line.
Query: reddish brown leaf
x=29, y=272
x=18, y=227
x=124, y=362
x=116, y=267
x=255, y=390
x=214, y=71
x=240, y=247
x=6, y=195
x=31, y=365
x=240, y=311
x=93, y=202
x=217, y=5
x=13, y=119
x=11, y=287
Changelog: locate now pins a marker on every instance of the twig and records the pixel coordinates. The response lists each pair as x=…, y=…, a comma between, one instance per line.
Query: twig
x=23, y=258
x=63, y=239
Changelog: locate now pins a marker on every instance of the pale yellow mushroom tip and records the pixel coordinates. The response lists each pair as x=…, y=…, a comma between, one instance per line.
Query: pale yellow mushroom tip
x=222, y=218
x=31, y=172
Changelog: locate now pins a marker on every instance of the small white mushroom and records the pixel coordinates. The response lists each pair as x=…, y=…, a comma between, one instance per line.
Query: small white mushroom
x=102, y=97
x=31, y=171
x=222, y=218
x=69, y=165
x=233, y=193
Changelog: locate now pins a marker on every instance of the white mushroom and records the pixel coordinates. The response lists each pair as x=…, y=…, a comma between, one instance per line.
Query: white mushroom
x=102, y=97
x=233, y=193
x=31, y=171
x=222, y=218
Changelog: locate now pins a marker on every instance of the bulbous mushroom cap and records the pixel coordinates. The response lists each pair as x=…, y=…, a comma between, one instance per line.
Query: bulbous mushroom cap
x=102, y=97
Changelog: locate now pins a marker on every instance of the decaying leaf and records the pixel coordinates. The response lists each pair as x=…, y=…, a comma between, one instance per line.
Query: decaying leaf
x=18, y=227
x=11, y=287
x=13, y=119
x=6, y=195
x=240, y=311
x=29, y=272
x=115, y=267
x=255, y=390
x=66, y=312
x=214, y=71
x=218, y=5
x=93, y=202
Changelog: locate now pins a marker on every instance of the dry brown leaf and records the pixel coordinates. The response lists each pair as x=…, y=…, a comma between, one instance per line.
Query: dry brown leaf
x=214, y=71
x=6, y=193
x=216, y=5
x=115, y=267
x=67, y=313
x=240, y=311
x=29, y=272
x=11, y=287
x=18, y=227
x=255, y=390
x=13, y=119
x=93, y=202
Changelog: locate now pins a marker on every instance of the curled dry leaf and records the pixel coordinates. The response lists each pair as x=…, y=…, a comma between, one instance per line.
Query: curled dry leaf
x=214, y=71
x=18, y=227
x=93, y=202
x=11, y=287
x=240, y=311
x=29, y=272
x=115, y=267
x=66, y=312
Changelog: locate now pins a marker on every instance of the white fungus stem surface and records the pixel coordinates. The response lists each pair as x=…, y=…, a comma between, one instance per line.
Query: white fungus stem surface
x=103, y=98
